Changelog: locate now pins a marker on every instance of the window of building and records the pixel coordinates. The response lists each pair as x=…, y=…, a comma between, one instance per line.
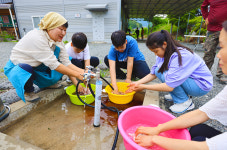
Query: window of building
x=36, y=21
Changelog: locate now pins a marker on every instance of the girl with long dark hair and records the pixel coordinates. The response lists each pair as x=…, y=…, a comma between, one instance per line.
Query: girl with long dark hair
x=182, y=72
x=203, y=136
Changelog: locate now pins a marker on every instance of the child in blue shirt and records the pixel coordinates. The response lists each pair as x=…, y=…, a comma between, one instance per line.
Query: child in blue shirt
x=181, y=72
x=124, y=53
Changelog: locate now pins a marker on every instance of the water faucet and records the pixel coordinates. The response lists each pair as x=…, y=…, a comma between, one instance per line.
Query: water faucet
x=88, y=76
x=89, y=67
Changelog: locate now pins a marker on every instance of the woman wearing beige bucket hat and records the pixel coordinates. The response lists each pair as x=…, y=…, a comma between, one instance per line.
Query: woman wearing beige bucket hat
x=40, y=58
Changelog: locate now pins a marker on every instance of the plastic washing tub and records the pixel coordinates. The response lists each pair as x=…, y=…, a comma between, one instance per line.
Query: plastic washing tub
x=120, y=99
x=71, y=90
x=136, y=116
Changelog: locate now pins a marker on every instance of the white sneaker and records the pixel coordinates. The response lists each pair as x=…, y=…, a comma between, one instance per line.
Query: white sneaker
x=55, y=86
x=68, y=81
x=168, y=97
x=182, y=107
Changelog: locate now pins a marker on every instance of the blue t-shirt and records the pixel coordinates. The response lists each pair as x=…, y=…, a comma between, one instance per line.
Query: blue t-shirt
x=132, y=50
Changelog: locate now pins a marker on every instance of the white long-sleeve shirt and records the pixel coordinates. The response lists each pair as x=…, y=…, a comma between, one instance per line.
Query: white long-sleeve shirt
x=216, y=109
x=84, y=55
x=36, y=48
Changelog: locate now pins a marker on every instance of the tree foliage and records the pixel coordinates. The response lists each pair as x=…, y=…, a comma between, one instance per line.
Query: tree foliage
x=157, y=23
x=194, y=26
x=183, y=19
x=134, y=24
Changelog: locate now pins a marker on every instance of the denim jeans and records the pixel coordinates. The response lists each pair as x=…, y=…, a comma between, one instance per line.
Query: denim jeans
x=181, y=93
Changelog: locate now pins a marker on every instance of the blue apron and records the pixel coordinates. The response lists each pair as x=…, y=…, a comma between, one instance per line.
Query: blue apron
x=43, y=76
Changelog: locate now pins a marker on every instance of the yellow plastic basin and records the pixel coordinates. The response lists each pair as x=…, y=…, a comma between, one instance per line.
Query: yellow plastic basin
x=120, y=99
x=75, y=100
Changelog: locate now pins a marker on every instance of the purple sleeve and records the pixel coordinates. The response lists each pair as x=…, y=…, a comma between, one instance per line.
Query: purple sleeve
x=177, y=74
x=158, y=61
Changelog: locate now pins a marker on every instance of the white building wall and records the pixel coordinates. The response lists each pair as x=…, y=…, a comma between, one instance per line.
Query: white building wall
x=98, y=26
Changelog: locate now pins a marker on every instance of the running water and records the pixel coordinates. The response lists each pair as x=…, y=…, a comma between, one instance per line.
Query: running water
x=131, y=133
x=85, y=90
x=85, y=93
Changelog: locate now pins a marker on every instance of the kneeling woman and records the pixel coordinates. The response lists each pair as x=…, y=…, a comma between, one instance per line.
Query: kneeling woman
x=182, y=72
x=40, y=58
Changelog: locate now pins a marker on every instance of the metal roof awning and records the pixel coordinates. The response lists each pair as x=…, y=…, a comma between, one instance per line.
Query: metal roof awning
x=96, y=7
x=6, y=1
x=5, y=6
x=148, y=8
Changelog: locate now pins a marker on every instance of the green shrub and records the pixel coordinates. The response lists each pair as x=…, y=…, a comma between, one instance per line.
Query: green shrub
x=65, y=42
x=6, y=36
x=195, y=24
x=165, y=27
x=180, y=38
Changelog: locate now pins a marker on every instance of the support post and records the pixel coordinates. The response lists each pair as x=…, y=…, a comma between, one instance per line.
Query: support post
x=171, y=29
x=200, y=29
x=178, y=27
x=13, y=23
x=187, y=25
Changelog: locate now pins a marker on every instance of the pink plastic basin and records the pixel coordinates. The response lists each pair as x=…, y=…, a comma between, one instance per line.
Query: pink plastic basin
x=147, y=115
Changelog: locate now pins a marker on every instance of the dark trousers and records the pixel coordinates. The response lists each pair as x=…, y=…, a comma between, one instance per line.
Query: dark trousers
x=29, y=84
x=202, y=131
x=140, y=68
x=94, y=61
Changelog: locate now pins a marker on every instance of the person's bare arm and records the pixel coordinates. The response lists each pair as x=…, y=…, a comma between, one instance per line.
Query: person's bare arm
x=86, y=63
x=148, y=136
x=70, y=70
x=171, y=144
x=112, y=65
x=135, y=86
x=147, y=78
x=207, y=21
x=184, y=121
x=129, y=69
x=157, y=87
x=75, y=82
x=71, y=66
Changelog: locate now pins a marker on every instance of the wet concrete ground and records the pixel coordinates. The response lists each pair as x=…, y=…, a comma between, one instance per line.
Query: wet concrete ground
x=63, y=125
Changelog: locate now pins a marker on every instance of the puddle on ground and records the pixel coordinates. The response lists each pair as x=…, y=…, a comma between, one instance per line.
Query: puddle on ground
x=63, y=125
